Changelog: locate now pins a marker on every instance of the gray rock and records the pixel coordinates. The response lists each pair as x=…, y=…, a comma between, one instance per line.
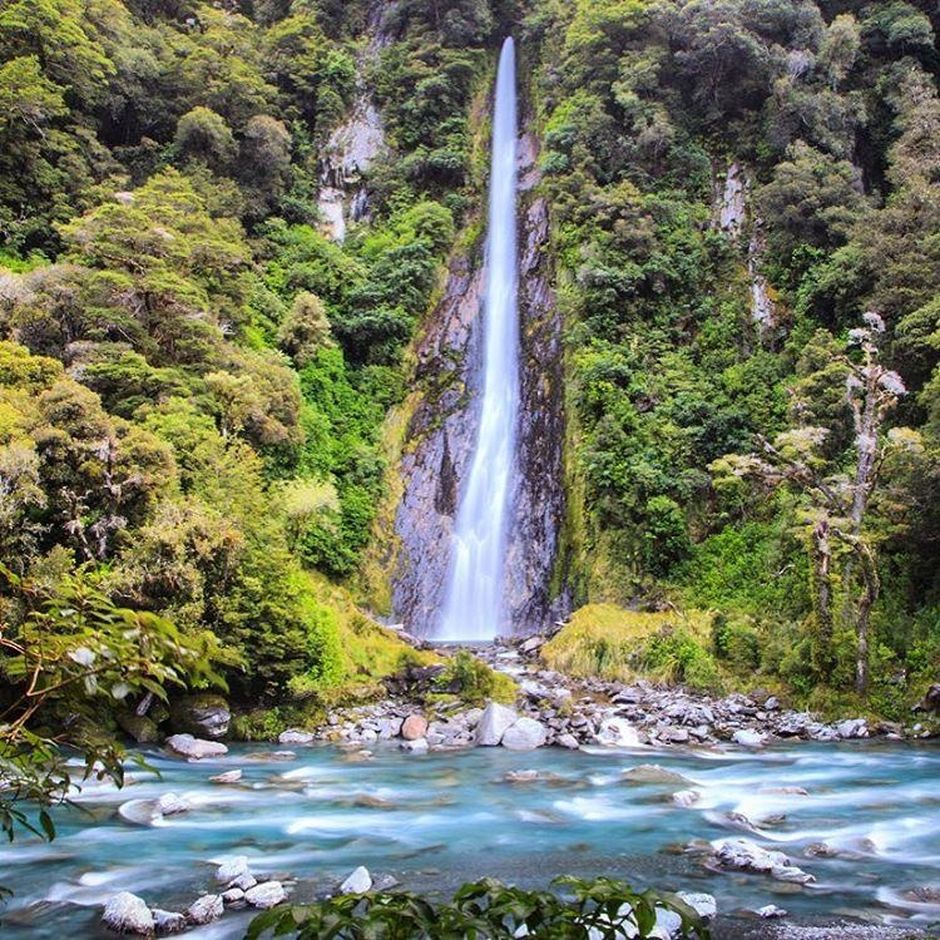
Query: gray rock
x=296, y=736
x=266, y=894
x=686, y=798
x=668, y=924
x=653, y=773
x=745, y=855
x=230, y=776
x=770, y=911
x=127, y=913
x=747, y=737
x=244, y=882
x=232, y=868
x=494, y=722
x=357, y=882
x=167, y=923
x=389, y=728
x=205, y=910
x=567, y=740
x=617, y=732
x=384, y=882
x=233, y=897
x=169, y=804
x=419, y=746
x=852, y=728
x=703, y=904
x=525, y=735
x=195, y=748
x=204, y=714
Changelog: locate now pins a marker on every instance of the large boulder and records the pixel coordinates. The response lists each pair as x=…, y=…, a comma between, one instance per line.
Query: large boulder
x=127, y=913
x=745, y=855
x=205, y=715
x=142, y=729
x=525, y=735
x=414, y=727
x=748, y=737
x=208, y=908
x=167, y=923
x=494, y=722
x=195, y=748
x=266, y=894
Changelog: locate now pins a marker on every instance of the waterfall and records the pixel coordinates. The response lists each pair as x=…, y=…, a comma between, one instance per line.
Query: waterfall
x=474, y=606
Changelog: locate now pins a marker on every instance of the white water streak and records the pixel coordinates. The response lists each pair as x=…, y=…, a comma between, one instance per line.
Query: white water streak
x=474, y=607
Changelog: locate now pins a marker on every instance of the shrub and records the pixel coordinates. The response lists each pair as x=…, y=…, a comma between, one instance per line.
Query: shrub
x=474, y=681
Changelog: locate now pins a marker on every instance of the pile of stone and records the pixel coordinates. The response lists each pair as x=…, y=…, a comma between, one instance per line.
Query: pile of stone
x=235, y=888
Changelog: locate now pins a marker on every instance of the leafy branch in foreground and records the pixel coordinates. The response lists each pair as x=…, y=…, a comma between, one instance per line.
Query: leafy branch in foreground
x=69, y=652
x=484, y=909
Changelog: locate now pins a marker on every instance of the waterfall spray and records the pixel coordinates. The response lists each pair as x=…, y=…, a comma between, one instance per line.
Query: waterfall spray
x=474, y=606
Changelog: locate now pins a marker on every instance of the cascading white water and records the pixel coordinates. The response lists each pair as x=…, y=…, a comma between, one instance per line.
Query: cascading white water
x=473, y=606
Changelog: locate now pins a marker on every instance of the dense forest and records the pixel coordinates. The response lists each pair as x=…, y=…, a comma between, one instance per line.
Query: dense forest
x=195, y=376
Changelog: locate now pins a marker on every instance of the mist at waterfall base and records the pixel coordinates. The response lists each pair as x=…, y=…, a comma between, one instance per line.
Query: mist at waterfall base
x=474, y=605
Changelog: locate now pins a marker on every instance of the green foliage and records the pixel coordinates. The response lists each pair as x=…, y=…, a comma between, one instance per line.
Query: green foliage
x=68, y=652
x=474, y=681
x=485, y=907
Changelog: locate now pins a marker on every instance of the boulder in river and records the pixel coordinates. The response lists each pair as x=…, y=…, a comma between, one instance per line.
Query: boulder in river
x=128, y=914
x=703, y=904
x=205, y=910
x=745, y=855
x=358, y=882
x=567, y=740
x=204, y=714
x=296, y=736
x=171, y=804
x=418, y=746
x=414, y=727
x=195, y=748
x=232, y=868
x=770, y=912
x=233, y=897
x=266, y=894
x=525, y=735
x=230, y=776
x=653, y=773
x=747, y=737
x=167, y=923
x=494, y=722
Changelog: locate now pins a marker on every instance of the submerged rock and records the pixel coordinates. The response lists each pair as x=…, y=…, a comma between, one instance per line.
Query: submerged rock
x=195, y=748
x=358, y=881
x=653, y=773
x=525, y=735
x=494, y=722
x=207, y=909
x=266, y=894
x=128, y=914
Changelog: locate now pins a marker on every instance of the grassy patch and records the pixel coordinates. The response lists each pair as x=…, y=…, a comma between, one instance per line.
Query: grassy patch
x=610, y=642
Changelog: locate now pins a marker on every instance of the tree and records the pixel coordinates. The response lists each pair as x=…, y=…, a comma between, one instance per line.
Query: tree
x=305, y=329
x=837, y=497
x=71, y=653
x=201, y=134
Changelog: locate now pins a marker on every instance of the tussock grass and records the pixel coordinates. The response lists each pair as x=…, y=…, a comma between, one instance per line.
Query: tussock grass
x=609, y=642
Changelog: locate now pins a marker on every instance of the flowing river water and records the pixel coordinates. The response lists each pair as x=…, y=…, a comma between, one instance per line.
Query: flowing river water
x=434, y=821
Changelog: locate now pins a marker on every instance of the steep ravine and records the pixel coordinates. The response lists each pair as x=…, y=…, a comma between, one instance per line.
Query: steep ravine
x=440, y=436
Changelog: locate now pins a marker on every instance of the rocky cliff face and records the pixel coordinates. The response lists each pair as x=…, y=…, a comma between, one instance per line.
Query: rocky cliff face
x=442, y=433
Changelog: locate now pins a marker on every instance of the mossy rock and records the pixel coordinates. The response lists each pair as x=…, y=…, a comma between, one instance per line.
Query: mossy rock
x=204, y=715
x=142, y=729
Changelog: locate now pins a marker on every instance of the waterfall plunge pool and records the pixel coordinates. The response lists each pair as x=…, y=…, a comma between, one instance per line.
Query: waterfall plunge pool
x=434, y=821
